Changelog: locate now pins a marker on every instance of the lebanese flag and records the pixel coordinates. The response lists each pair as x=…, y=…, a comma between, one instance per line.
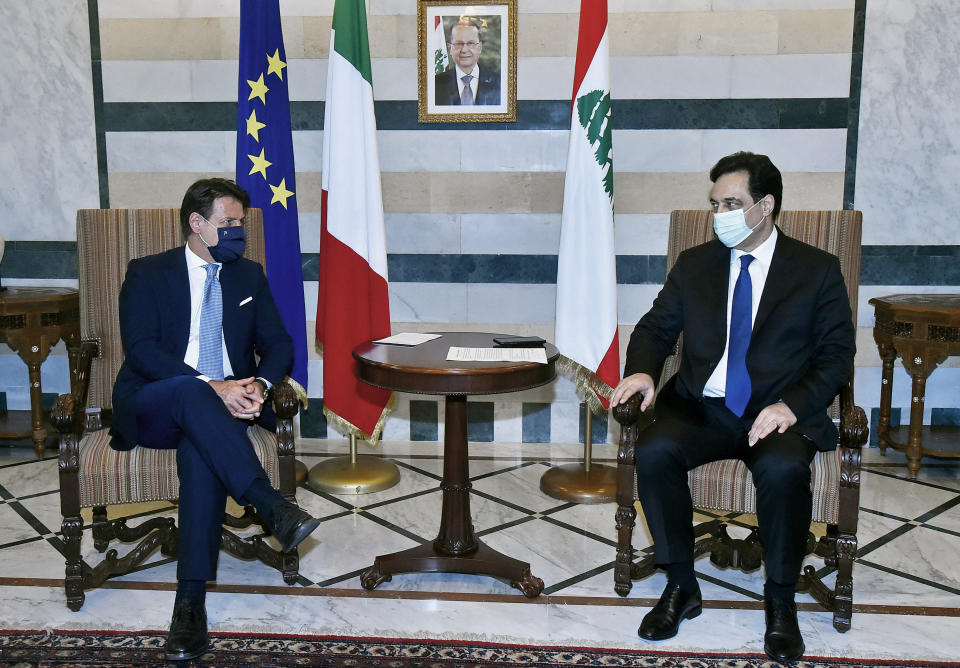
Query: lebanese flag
x=586, y=325
x=441, y=60
x=353, y=305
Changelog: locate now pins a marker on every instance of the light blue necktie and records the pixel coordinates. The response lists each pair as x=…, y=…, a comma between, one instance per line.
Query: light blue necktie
x=741, y=327
x=211, y=326
x=466, y=97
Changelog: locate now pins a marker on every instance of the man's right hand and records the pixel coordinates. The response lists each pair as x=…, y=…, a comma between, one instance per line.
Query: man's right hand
x=235, y=396
x=629, y=386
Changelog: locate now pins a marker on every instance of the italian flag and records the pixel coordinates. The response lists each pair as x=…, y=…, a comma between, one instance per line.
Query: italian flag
x=353, y=305
x=586, y=325
x=441, y=60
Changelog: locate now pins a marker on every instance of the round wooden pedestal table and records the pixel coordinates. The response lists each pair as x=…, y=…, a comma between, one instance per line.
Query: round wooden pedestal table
x=424, y=369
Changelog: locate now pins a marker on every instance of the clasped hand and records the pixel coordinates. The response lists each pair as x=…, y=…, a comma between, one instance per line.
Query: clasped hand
x=243, y=397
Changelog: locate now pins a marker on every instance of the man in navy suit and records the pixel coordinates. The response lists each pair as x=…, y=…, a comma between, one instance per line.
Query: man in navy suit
x=768, y=341
x=465, y=83
x=203, y=345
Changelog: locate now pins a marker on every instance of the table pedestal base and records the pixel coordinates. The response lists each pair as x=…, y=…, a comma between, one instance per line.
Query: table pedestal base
x=427, y=559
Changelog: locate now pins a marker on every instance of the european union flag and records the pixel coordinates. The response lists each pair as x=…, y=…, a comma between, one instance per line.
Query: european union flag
x=265, y=162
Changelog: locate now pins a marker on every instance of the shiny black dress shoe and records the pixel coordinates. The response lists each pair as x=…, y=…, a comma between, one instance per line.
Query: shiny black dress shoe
x=291, y=525
x=188, y=631
x=674, y=606
x=782, y=641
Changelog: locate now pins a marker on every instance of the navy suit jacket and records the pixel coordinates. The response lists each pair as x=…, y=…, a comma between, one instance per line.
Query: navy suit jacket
x=446, y=91
x=155, y=327
x=803, y=341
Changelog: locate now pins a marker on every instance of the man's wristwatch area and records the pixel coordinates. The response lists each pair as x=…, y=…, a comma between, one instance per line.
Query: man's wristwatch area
x=266, y=387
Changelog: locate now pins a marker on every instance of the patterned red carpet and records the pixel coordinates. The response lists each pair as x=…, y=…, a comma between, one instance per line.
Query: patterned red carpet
x=24, y=649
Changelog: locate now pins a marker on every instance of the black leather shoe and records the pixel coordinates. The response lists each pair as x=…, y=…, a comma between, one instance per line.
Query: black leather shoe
x=674, y=606
x=291, y=525
x=188, y=631
x=782, y=641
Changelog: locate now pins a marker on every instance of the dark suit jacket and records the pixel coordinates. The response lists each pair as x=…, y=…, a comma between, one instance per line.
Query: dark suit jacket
x=803, y=341
x=486, y=87
x=155, y=327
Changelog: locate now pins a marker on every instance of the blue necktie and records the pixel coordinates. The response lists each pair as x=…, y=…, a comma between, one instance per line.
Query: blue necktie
x=466, y=97
x=211, y=326
x=741, y=326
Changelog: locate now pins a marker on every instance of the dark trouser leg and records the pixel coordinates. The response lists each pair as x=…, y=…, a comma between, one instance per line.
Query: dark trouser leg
x=214, y=458
x=684, y=436
x=169, y=409
x=203, y=502
x=780, y=464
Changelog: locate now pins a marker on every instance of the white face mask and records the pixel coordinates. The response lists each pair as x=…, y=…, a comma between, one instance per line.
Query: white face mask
x=731, y=226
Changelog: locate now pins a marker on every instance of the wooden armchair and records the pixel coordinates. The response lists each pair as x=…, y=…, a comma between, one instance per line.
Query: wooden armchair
x=92, y=474
x=726, y=487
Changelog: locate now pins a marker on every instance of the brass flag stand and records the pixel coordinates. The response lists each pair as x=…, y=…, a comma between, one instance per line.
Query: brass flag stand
x=584, y=482
x=354, y=475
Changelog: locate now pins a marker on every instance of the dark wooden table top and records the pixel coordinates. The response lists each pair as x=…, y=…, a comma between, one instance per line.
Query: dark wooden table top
x=424, y=369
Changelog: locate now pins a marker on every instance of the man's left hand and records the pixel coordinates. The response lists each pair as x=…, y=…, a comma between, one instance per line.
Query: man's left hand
x=775, y=416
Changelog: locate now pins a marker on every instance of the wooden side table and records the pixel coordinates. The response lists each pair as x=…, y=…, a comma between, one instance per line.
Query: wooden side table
x=923, y=330
x=32, y=320
x=424, y=369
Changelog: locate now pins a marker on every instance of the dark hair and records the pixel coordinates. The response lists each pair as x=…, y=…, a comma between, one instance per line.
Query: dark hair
x=764, y=177
x=200, y=197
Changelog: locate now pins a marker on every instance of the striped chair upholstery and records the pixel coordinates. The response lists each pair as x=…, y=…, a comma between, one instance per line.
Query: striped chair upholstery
x=92, y=474
x=726, y=486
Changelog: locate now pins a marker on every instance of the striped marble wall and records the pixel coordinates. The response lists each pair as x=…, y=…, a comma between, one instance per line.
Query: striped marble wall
x=473, y=210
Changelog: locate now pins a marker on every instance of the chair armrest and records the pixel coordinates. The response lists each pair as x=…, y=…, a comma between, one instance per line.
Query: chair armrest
x=854, y=428
x=69, y=412
x=285, y=407
x=285, y=401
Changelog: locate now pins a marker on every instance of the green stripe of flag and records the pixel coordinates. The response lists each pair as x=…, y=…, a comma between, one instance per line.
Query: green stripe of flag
x=350, y=28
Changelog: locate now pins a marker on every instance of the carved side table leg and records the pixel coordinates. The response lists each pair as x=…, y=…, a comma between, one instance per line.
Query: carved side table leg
x=36, y=408
x=887, y=356
x=915, y=444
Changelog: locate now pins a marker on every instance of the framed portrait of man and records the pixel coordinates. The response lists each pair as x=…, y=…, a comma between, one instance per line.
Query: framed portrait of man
x=467, y=61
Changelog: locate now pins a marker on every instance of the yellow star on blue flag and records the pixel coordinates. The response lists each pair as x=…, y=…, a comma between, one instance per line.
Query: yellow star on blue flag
x=263, y=129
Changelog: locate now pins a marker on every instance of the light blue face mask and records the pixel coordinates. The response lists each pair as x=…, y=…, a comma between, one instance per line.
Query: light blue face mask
x=731, y=226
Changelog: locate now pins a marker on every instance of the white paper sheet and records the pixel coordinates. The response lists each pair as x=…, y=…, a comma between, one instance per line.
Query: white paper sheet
x=408, y=339
x=456, y=354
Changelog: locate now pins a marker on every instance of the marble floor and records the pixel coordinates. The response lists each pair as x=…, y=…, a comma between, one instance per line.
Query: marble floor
x=906, y=577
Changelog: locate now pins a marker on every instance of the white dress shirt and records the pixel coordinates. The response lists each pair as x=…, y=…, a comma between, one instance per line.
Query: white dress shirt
x=198, y=277
x=762, y=255
x=475, y=73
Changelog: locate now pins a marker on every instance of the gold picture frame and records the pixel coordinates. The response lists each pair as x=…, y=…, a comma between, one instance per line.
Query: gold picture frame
x=446, y=29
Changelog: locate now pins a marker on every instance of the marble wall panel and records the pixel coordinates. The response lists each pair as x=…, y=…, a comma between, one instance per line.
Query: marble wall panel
x=510, y=233
x=49, y=141
x=428, y=302
x=511, y=302
x=171, y=151
x=908, y=153
x=792, y=75
x=641, y=233
x=423, y=233
x=800, y=150
x=538, y=78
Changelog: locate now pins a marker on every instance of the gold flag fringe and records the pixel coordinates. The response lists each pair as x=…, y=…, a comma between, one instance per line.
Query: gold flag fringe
x=348, y=428
x=588, y=384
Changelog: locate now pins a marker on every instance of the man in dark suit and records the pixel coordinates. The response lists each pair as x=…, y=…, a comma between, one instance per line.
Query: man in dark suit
x=465, y=83
x=768, y=341
x=203, y=345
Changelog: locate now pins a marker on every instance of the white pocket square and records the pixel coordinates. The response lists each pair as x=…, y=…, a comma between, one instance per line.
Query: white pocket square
x=248, y=299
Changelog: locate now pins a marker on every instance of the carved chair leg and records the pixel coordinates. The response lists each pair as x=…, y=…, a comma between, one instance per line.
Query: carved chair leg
x=102, y=529
x=626, y=519
x=72, y=529
x=843, y=590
